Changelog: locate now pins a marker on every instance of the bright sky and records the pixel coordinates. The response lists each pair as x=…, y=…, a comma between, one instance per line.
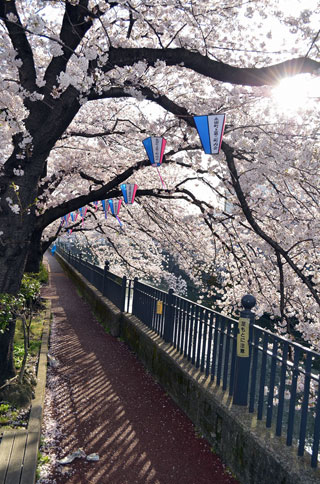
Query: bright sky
x=298, y=92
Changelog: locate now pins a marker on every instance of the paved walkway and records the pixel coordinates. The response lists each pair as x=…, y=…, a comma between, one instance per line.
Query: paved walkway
x=105, y=402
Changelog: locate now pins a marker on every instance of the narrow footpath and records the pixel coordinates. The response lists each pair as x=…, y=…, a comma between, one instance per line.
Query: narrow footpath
x=101, y=399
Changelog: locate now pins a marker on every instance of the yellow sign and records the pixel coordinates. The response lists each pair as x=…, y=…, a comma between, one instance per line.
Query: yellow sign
x=243, y=338
x=159, y=307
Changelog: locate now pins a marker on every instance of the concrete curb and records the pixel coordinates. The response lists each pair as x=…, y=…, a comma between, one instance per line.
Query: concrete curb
x=36, y=414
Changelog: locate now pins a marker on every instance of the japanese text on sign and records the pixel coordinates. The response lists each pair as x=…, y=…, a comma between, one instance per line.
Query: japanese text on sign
x=159, y=307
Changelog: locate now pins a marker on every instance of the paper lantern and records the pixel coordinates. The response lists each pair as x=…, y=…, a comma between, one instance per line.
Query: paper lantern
x=83, y=211
x=154, y=147
x=105, y=208
x=129, y=192
x=210, y=129
x=114, y=206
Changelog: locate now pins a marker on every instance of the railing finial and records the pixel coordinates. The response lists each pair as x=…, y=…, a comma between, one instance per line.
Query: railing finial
x=248, y=301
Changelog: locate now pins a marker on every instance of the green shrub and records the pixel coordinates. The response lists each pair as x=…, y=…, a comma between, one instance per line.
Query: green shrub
x=43, y=275
x=18, y=354
x=4, y=407
x=30, y=289
x=9, y=307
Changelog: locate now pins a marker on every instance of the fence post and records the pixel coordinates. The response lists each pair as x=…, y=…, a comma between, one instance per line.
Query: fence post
x=105, y=278
x=168, y=319
x=243, y=357
x=123, y=293
x=135, y=297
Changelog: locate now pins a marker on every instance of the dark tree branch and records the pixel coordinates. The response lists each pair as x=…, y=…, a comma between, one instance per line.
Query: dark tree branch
x=219, y=71
x=85, y=134
x=281, y=282
x=27, y=73
x=150, y=95
x=256, y=227
x=131, y=24
x=76, y=22
x=313, y=43
x=85, y=176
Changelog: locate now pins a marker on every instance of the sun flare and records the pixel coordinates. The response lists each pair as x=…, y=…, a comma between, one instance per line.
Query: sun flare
x=300, y=92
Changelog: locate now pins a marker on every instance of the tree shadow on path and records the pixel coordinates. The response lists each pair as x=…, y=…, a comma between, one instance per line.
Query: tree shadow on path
x=106, y=403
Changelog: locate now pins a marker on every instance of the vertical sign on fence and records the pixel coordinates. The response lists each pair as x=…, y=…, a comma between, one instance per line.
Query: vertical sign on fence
x=241, y=376
x=243, y=338
x=159, y=307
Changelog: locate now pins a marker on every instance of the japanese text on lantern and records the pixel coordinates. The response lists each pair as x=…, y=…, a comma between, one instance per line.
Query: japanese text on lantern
x=157, y=149
x=216, y=134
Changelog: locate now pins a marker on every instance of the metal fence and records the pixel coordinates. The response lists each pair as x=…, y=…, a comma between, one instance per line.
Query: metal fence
x=110, y=285
x=274, y=377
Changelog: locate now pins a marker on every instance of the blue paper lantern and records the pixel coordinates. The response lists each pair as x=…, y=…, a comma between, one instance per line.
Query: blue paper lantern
x=114, y=206
x=129, y=192
x=105, y=208
x=210, y=129
x=154, y=147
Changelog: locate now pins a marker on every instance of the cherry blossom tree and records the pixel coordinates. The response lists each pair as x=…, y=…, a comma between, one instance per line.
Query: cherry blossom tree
x=83, y=82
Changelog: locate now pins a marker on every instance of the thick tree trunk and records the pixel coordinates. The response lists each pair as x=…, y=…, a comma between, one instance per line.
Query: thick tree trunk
x=11, y=270
x=7, y=369
x=35, y=253
x=14, y=244
x=37, y=249
x=12, y=263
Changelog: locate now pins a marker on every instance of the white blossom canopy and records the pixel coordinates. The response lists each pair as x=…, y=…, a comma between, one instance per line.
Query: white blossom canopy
x=84, y=82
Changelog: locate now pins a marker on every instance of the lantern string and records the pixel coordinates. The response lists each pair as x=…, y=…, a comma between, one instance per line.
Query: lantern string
x=163, y=184
x=119, y=221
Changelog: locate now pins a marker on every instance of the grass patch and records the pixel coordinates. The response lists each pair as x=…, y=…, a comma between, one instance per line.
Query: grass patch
x=15, y=398
x=4, y=407
x=43, y=274
x=35, y=332
x=11, y=417
x=35, y=340
x=42, y=461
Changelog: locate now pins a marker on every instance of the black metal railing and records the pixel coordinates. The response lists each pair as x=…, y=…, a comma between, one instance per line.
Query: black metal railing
x=111, y=286
x=274, y=377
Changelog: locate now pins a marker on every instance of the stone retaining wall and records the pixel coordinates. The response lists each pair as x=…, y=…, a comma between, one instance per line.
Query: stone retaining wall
x=252, y=452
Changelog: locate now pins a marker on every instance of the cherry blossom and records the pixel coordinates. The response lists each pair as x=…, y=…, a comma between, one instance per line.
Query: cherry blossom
x=84, y=82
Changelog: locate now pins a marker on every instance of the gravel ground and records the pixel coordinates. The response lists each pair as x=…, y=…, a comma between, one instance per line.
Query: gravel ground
x=101, y=399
